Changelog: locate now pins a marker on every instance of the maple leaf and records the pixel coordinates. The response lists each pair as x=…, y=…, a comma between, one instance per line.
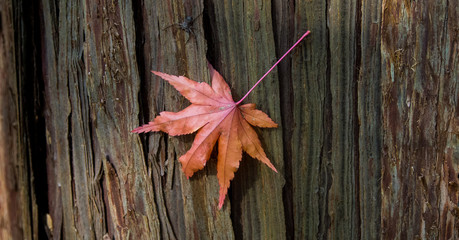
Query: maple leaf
x=215, y=116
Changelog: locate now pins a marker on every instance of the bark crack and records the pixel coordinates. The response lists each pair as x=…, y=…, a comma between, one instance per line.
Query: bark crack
x=144, y=108
x=355, y=104
x=326, y=179
x=282, y=14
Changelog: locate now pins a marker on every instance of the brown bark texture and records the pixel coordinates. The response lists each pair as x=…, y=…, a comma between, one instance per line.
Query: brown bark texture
x=367, y=105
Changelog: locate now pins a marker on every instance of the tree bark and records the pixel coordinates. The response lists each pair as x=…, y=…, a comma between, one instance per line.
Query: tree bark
x=13, y=180
x=420, y=121
x=367, y=107
x=21, y=193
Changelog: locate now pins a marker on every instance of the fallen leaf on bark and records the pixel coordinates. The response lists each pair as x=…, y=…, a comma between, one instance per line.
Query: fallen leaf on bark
x=216, y=117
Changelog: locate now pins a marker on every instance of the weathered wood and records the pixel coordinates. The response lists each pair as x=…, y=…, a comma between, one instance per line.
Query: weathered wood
x=283, y=31
x=13, y=171
x=369, y=119
x=420, y=101
x=113, y=84
x=58, y=72
x=311, y=140
x=19, y=213
x=188, y=208
x=367, y=105
x=243, y=50
x=343, y=194
x=90, y=109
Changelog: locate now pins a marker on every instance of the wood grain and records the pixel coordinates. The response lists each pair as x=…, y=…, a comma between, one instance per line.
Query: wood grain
x=367, y=107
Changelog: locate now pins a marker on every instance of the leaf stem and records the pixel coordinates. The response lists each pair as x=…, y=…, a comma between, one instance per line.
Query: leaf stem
x=278, y=61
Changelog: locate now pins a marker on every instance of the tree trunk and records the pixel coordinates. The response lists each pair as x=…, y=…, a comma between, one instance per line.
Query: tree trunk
x=420, y=89
x=367, y=107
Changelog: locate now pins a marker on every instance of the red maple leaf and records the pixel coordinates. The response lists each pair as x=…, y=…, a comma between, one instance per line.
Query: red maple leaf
x=215, y=116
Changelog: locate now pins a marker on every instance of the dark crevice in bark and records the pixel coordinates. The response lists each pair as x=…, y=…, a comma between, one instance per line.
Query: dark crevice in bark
x=101, y=182
x=355, y=104
x=325, y=166
x=283, y=35
x=164, y=140
x=20, y=24
x=144, y=110
x=378, y=122
x=160, y=191
x=70, y=144
x=207, y=15
x=31, y=89
x=55, y=5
